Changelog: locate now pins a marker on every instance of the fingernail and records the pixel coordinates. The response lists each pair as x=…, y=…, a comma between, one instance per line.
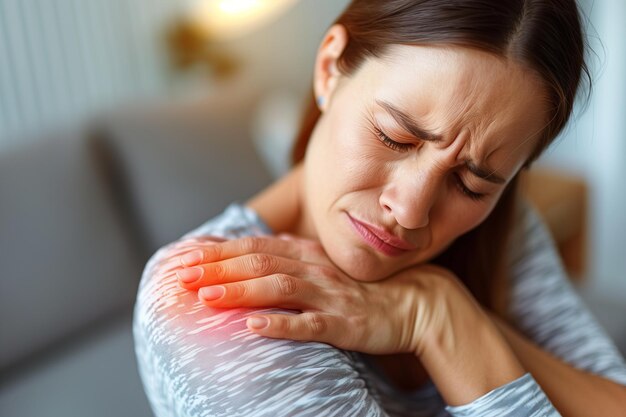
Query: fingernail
x=212, y=293
x=189, y=275
x=258, y=322
x=191, y=258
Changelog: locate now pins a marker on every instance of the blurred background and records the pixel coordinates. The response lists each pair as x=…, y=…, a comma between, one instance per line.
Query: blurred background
x=126, y=123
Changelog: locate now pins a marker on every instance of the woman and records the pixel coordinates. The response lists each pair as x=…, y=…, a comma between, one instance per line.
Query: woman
x=393, y=239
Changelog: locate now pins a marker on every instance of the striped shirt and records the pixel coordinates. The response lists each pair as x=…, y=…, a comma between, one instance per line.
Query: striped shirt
x=197, y=361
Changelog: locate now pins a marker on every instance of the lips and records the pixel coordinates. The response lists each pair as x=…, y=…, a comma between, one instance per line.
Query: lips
x=380, y=239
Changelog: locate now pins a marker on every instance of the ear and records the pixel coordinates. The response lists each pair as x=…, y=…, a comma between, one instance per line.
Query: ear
x=326, y=72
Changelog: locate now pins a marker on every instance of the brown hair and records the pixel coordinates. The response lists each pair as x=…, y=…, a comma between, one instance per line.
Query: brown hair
x=543, y=35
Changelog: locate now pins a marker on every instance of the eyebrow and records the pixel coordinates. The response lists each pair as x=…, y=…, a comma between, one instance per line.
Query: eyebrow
x=409, y=124
x=413, y=127
x=484, y=173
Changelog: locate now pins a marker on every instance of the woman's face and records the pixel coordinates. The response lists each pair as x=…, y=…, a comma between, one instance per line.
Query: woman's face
x=414, y=150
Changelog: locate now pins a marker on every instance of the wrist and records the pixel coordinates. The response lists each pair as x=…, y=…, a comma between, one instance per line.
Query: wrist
x=462, y=350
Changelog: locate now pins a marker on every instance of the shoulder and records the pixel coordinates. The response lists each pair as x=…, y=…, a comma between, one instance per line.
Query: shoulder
x=235, y=221
x=185, y=349
x=536, y=272
x=530, y=236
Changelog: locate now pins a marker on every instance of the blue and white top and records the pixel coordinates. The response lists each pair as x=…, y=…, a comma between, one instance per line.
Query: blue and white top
x=198, y=361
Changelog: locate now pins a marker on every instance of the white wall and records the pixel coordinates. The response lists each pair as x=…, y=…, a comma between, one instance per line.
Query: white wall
x=63, y=60
x=595, y=146
x=281, y=55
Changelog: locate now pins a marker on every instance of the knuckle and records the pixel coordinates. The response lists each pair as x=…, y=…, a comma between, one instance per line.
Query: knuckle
x=250, y=245
x=317, y=325
x=285, y=326
x=286, y=284
x=281, y=324
x=261, y=264
x=219, y=271
x=212, y=252
x=238, y=291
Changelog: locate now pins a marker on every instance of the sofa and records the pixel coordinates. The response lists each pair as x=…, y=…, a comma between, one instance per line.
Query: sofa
x=81, y=211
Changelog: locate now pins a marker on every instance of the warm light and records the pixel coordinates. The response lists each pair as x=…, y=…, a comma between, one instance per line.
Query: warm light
x=227, y=19
x=238, y=6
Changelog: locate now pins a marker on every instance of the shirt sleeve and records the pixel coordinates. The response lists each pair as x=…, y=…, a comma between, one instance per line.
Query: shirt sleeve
x=547, y=309
x=520, y=398
x=198, y=361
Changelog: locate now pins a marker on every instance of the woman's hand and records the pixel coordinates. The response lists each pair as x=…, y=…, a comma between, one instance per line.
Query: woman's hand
x=169, y=260
x=390, y=316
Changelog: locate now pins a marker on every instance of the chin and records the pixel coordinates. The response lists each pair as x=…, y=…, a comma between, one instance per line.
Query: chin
x=359, y=264
x=362, y=265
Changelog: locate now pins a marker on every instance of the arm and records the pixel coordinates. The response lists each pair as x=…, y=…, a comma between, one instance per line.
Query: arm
x=570, y=355
x=197, y=361
x=462, y=351
x=424, y=310
x=574, y=392
x=471, y=363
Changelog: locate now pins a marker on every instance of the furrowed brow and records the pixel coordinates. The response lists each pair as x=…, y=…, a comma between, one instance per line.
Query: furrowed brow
x=409, y=124
x=484, y=172
x=419, y=132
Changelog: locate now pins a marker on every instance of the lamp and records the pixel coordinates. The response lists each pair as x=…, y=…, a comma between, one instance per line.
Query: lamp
x=229, y=19
x=194, y=39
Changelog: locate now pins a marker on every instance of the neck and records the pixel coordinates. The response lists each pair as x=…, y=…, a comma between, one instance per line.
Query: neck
x=281, y=205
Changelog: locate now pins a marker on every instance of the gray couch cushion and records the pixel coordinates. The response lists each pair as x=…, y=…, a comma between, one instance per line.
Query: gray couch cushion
x=181, y=165
x=65, y=258
x=93, y=377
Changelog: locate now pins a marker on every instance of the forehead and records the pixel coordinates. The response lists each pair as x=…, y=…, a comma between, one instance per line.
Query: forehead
x=497, y=104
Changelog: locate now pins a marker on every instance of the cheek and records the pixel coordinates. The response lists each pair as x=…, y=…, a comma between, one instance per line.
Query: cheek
x=344, y=158
x=458, y=219
x=344, y=139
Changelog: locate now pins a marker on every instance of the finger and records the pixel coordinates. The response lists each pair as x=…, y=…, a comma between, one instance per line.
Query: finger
x=278, y=290
x=293, y=249
x=242, y=268
x=171, y=257
x=170, y=260
x=309, y=326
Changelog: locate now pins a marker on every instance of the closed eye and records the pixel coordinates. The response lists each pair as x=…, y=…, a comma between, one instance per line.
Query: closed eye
x=396, y=146
x=466, y=191
x=404, y=147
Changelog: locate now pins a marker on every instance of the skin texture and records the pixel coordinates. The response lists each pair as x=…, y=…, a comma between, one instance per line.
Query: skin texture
x=483, y=107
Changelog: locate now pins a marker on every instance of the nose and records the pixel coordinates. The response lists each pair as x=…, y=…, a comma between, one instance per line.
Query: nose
x=410, y=196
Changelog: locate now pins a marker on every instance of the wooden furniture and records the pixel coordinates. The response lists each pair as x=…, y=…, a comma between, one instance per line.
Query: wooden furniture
x=562, y=200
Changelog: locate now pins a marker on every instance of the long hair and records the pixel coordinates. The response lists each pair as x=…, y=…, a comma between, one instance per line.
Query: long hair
x=542, y=35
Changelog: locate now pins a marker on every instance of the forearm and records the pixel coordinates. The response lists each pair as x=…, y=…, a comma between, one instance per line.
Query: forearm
x=465, y=354
x=573, y=392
